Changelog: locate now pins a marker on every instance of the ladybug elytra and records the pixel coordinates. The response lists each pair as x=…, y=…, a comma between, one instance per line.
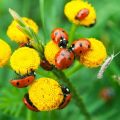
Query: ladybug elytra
x=60, y=37
x=67, y=97
x=82, y=14
x=23, y=81
x=80, y=46
x=29, y=104
x=64, y=59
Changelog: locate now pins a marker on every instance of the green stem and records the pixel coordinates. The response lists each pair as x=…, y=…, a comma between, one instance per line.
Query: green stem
x=61, y=76
x=41, y=4
x=72, y=32
x=29, y=115
x=73, y=69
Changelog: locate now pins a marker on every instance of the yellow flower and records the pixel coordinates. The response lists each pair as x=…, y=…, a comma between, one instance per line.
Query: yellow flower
x=51, y=49
x=25, y=59
x=5, y=52
x=95, y=56
x=46, y=94
x=74, y=7
x=16, y=35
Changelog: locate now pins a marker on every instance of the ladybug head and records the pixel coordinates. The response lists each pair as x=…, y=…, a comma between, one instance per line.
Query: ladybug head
x=63, y=43
x=65, y=90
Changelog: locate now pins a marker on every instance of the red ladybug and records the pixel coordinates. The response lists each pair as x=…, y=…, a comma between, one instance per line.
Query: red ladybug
x=46, y=65
x=29, y=104
x=67, y=97
x=64, y=59
x=24, y=81
x=107, y=94
x=60, y=37
x=82, y=14
x=80, y=46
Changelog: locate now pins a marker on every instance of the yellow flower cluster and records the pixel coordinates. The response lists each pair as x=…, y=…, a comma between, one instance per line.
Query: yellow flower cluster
x=16, y=35
x=51, y=49
x=24, y=60
x=73, y=7
x=96, y=55
x=46, y=94
x=5, y=52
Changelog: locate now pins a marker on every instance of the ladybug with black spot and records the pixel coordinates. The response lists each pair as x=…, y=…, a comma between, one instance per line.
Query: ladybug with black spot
x=64, y=59
x=67, y=97
x=29, y=104
x=46, y=65
x=23, y=81
x=66, y=100
x=60, y=37
x=80, y=46
x=82, y=14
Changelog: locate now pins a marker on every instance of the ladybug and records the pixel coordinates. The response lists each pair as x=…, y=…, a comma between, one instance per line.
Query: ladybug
x=46, y=65
x=64, y=59
x=23, y=81
x=67, y=97
x=29, y=104
x=60, y=37
x=80, y=46
x=82, y=14
x=107, y=94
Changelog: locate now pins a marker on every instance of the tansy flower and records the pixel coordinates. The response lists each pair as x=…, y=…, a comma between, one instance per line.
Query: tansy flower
x=24, y=60
x=46, y=94
x=5, y=52
x=80, y=12
x=16, y=35
x=51, y=49
x=95, y=56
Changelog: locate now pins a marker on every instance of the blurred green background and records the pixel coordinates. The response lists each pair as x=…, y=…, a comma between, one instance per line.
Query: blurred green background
x=50, y=14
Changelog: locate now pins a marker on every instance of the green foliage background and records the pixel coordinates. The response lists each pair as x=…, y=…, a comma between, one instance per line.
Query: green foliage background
x=49, y=16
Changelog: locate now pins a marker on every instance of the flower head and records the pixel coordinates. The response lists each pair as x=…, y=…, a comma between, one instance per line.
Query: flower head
x=5, y=52
x=24, y=60
x=80, y=12
x=95, y=56
x=16, y=35
x=46, y=94
x=51, y=49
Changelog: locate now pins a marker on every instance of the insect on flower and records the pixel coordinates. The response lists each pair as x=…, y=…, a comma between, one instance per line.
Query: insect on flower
x=23, y=81
x=105, y=65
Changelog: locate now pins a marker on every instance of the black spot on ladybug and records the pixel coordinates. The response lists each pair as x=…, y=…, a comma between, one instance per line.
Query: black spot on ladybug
x=80, y=52
x=56, y=33
x=80, y=44
x=28, y=81
x=63, y=31
x=88, y=46
x=69, y=58
x=62, y=54
x=18, y=83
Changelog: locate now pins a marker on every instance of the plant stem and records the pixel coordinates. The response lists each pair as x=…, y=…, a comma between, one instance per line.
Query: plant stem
x=41, y=4
x=73, y=69
x=60, y=75
x=29, y=115
x=72, y=32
